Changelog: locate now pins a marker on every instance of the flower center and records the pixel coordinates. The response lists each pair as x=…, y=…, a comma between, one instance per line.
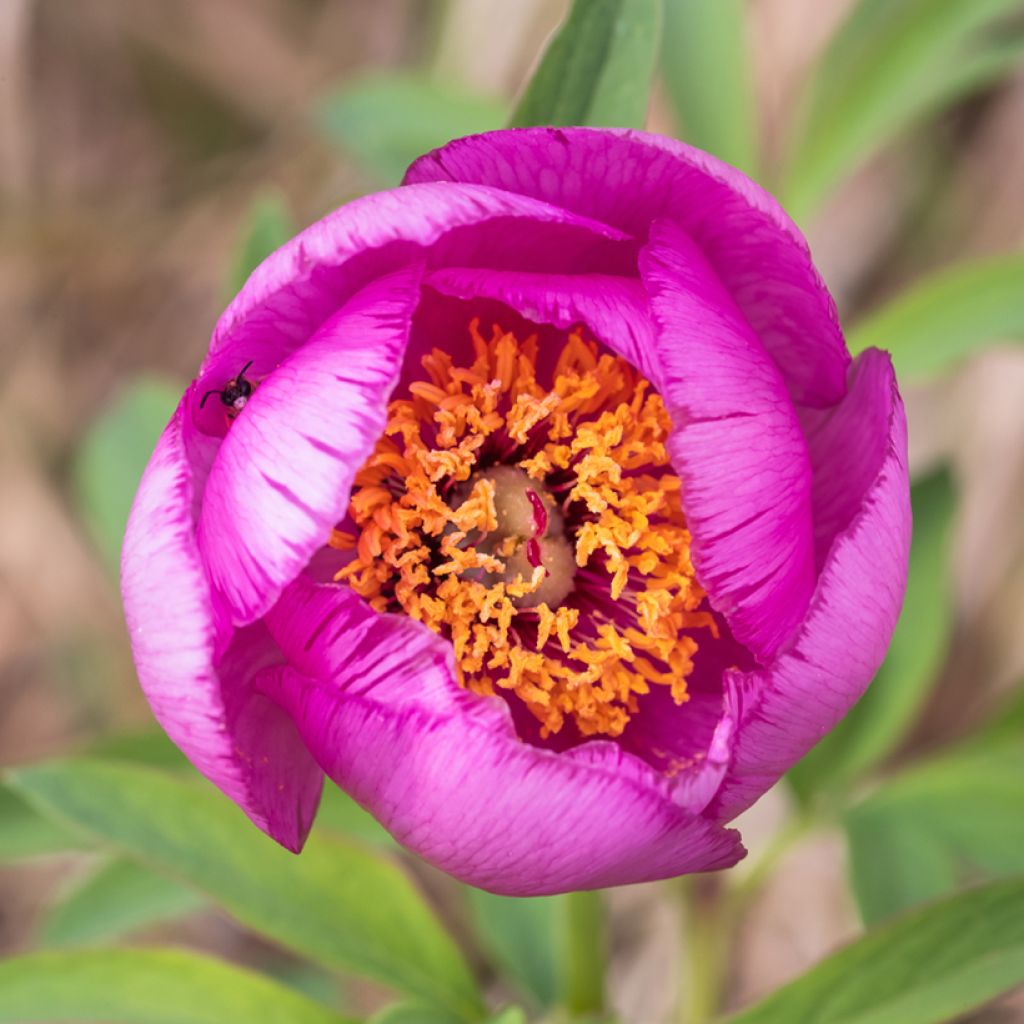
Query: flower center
x=539, y=528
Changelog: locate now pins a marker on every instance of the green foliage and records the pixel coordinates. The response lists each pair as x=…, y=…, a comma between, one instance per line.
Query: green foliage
x=268, y=227
x=880, y=720
x=705, y=67
x=413, y=1013
x=597, y=69
x=119, y=898
x=146, y=986
x=108, y=466
x=521, y=936
x=949, y=315
x=386, y=121
x=25, y=833
x=937, y=825
x=924, y=968
x=337, y=904
x=891, y=64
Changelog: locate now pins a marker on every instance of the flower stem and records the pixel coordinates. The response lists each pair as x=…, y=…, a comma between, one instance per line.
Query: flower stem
x=586, y=953
x=706, y=939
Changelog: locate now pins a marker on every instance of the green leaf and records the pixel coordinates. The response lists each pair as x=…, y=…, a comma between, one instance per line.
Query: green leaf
x=927, y=829
x=597, y=69
x=109, y=464
x=117, y=899
x=880, y=720
x=268, y=227
x=522, y=938
x=924, y=968
x=510, y=1015
x=413, y=1013
x=948, y=316
x=893, y=63
x=385, y=122
x=339, y=813
x=146, y=986
x=25, y=833
x=146, y=746
x=337, y=904
x=705, y=67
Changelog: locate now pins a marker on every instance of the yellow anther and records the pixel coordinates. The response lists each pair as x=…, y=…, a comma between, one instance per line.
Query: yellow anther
x=429, y=538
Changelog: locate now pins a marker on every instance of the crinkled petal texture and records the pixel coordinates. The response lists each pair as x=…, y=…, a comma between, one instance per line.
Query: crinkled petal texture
x=792, y=459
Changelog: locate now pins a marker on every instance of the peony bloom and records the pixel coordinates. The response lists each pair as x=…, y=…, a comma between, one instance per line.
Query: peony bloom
x=537, y=503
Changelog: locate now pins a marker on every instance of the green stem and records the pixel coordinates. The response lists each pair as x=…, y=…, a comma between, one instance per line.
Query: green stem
x=586, y=953
x=705, y=947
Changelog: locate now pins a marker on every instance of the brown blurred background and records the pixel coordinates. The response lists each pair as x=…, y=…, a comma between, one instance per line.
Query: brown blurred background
x=135, y=136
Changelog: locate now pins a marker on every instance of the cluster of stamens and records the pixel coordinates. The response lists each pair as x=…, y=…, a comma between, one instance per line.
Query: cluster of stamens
x=540, y=529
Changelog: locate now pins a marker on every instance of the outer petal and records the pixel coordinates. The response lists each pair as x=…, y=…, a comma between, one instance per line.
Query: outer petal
x=305, y=281
x=233, y=735
x=628, y=179
x=375, y=699
x=737, y=447
x=282, y=477
x=795, y=702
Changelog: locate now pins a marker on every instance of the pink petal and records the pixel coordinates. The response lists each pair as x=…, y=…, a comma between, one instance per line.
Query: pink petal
x=298, y=287
x=282, y=477
x=737, y=447
x=615, y=309
x=375, y=698
x=233, y=735
x=792, y=704
x=627, y=179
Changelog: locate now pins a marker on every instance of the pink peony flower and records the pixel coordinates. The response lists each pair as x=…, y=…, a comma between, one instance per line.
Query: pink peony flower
x=537, y=503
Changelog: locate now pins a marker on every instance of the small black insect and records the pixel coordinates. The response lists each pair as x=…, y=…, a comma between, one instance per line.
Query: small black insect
x=234, y=394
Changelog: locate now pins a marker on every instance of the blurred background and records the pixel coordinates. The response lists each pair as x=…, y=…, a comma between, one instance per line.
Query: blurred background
x=152, y=151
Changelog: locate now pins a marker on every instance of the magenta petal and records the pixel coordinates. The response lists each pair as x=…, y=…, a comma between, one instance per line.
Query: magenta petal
x=737, y=446
x=627, y=179
x=613, y=308
x=307, y=280
x=234, y=736
x=792, y=704
x=375, y=699
x=282, y=477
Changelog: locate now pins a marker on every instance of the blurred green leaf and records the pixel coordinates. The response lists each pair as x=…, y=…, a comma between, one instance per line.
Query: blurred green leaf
x=110, y=461
x=146, y=746
x=119, y=898
x=336, y=904
x=385, y=122
x=880, y=720
x=597, y=68
x=269, y=225
x=706, y=69
x=340, y=813
x=413, y=1013
x=25, y=833
x=938, y=321
x=146, y=986
x=510, y=1015
x=927, y=829
x=892, y=63
x=924, y=968
x=522, y=938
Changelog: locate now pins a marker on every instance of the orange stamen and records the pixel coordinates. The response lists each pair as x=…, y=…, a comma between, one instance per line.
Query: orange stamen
x=596, y=438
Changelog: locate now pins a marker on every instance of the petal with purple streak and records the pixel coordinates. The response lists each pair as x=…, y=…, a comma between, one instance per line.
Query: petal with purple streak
x=375, y=699
x=793, y=703
x=736, y=445
x=628, y=179
x=239, y=740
